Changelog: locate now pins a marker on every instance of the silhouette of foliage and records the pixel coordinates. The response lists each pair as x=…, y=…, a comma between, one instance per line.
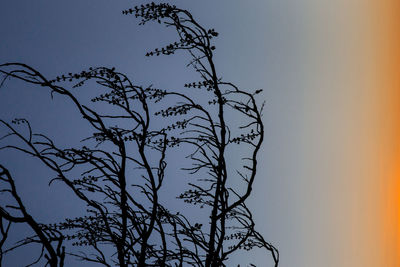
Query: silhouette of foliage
x=124, y=209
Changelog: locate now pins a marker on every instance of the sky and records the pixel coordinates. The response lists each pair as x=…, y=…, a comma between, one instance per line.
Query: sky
x=328, y=190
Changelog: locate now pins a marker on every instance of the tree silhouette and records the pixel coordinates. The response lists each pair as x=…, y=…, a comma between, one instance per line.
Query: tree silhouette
x=119, y=173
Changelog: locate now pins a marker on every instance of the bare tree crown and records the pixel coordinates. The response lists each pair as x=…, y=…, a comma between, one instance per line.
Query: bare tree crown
x=122, y=166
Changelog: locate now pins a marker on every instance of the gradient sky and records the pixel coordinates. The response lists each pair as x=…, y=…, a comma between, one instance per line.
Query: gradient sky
x=328, y=191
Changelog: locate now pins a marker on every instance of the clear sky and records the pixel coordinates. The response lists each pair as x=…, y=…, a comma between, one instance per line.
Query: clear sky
x=327, y=194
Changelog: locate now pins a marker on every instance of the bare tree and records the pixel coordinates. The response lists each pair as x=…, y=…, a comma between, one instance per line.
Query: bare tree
x=122, y=166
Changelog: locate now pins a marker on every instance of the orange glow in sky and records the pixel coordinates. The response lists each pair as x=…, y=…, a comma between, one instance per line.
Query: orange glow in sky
x=387, y=23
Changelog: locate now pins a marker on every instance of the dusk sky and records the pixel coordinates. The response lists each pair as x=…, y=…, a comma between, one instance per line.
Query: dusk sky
x=328, y=190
